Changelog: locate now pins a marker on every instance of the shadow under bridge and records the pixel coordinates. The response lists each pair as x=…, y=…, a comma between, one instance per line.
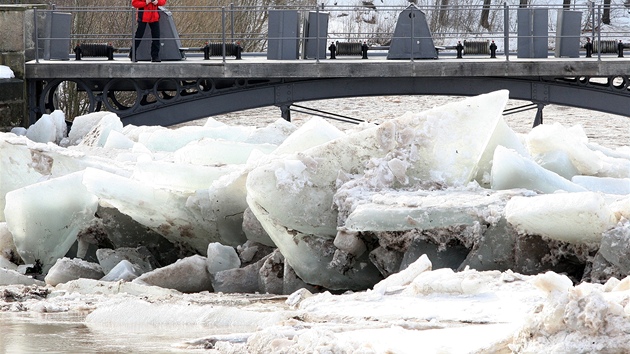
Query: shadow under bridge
x=172, y=101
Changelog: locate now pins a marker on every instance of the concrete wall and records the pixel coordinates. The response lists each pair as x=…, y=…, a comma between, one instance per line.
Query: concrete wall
x=17, y=46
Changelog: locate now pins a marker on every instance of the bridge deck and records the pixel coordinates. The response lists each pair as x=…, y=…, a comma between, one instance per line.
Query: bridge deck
x=377, y=66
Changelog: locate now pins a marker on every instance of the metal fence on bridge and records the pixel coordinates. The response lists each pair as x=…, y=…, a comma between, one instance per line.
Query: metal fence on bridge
x=526, y=32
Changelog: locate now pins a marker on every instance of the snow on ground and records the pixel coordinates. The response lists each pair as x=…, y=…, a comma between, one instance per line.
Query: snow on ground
x=6, y=72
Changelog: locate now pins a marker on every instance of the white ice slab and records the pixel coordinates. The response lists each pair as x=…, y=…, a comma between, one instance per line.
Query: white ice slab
x=608, y=185
x=55, y=211
x=570, y=217
x=511, y=170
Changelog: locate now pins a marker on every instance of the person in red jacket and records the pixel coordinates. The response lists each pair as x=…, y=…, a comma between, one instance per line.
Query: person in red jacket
x=148, y=14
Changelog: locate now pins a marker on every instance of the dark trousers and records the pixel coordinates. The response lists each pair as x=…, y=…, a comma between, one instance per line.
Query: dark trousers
x=155, y=35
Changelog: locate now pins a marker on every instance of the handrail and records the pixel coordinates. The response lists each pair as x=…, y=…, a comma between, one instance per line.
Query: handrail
x=442, y=35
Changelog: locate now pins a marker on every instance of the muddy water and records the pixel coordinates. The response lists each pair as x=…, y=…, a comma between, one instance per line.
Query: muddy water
x=63, y=333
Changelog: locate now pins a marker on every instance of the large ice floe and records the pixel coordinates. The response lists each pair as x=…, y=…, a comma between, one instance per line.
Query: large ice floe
x=448, y=201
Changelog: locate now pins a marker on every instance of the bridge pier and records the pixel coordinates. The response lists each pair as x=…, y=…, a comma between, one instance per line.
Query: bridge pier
x=17, y=46
x=538, y=120
x=286, y=112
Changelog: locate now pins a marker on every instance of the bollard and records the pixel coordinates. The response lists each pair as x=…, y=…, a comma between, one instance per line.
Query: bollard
x=620, y=49
x=110, y=51
x=77, y=52
x=588, y=47
x=364, y=50
x=238, y=50
x=206, y=51
x=333, y=50
x=493, y=50
x=460, y=49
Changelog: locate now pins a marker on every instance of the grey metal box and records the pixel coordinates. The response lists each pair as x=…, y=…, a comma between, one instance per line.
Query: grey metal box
x=412, y=38
x=532, y=32
x=284, y=35
x=568, y=34
x=57, y=43
x=170, y=44
x=316, y=34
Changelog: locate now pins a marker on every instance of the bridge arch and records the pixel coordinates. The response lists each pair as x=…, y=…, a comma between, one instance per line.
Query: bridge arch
x=608, y=95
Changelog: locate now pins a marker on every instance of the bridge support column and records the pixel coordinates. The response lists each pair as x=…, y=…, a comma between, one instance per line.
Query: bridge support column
x=286, y=112
x=15, y=50
x=539, y=115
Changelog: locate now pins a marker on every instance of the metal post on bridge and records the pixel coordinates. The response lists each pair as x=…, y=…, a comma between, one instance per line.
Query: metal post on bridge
x=317, y=34
x=412, y=21
x=506, y=31
x=36, y=36
x=232, y=21
x=599, y=32
x=132, y=51
x=223, y=30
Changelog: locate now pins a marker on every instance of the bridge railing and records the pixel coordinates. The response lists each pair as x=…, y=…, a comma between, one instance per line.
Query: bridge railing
x=370, y=23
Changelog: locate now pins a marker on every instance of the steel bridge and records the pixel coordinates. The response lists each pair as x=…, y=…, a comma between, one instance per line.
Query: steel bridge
x=172, y=92
x=168, y=93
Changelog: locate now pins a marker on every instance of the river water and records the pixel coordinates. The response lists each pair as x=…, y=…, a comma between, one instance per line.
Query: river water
x=67, y=333
x=601, y=128
x=22, y=332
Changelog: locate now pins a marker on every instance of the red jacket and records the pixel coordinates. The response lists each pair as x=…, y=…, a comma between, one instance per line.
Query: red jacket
x=147, y=12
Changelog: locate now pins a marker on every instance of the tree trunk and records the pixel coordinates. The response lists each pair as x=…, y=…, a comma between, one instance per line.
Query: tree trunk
x=443, y=16
x=606, y=14
x=485, y=14
x=566, y=4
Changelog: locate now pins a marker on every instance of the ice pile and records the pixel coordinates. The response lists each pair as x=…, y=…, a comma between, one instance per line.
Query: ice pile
x=275, y=209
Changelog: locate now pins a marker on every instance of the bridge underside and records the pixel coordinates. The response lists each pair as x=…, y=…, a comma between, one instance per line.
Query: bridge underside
x=171, y=101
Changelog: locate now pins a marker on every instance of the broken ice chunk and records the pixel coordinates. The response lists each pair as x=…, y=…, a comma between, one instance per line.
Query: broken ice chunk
x=46, y=217
x=82, y=125
x=216, y=152
x=66, y=269
x=608, y=185
x=188, y=275
x=97, y=137
x=459, y=131
x=221, y=257
x=404, y=277
x=179, y=176
x=504, y=136
x=172, y=139
x=12, y=277
x=392, y=210
x=140, y=257
x=615, y=247
x=314, y=132
x=557, y=161
x=124, y=270
x=570, y=217
x=310, y=255
x=546, y=138
x=511, y=170
x=445, y=129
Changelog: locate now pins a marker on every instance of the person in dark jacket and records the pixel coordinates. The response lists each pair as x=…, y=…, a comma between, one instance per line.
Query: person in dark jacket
x=148, y=14
x=588, y=47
